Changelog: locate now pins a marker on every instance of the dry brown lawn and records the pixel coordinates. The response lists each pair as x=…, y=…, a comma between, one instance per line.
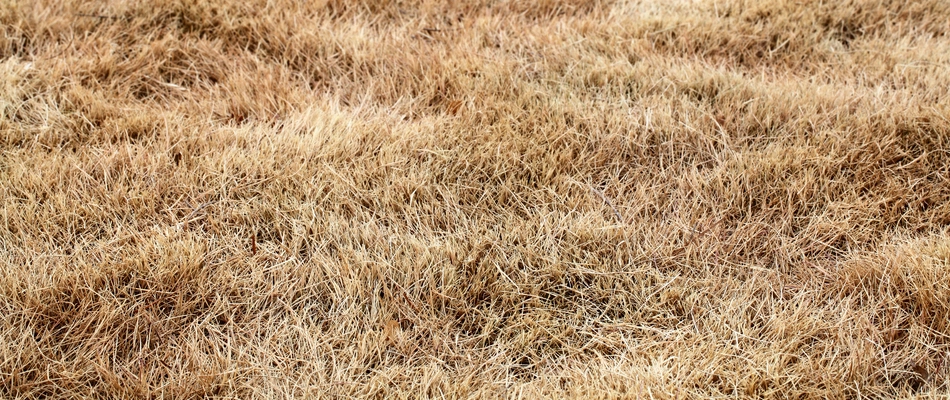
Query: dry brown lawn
x=479, y=199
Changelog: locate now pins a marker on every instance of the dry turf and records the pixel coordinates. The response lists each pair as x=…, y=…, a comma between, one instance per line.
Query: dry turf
x=402, y=199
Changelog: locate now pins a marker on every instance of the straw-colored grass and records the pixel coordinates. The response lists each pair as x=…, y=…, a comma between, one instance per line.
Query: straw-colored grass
x=480, y=199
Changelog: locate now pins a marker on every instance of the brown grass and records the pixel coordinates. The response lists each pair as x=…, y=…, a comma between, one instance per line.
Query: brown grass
x=402, y=199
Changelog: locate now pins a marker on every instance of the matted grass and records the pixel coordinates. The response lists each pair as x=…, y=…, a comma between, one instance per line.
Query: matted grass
x=402, y=199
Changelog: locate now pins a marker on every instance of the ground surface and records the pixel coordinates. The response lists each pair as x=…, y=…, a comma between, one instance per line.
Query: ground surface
x=274, y=199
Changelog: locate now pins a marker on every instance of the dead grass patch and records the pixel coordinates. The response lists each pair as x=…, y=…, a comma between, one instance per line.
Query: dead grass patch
x=474, y=199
